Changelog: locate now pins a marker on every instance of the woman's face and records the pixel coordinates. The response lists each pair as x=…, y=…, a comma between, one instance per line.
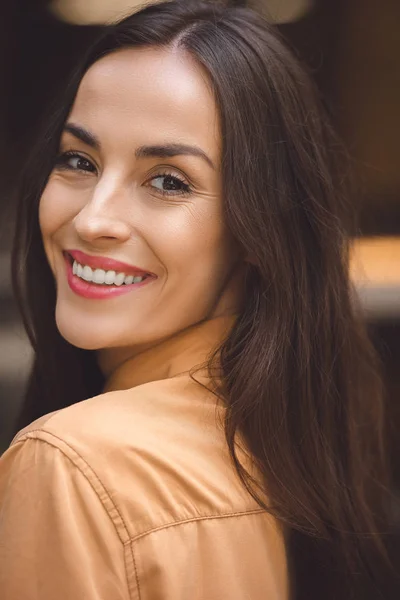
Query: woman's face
x=138, y=182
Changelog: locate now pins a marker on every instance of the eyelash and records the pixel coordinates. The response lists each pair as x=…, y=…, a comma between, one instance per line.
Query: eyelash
x=62, y=161
x=62, y=164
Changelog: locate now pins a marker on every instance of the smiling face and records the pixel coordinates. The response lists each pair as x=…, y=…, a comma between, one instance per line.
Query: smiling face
x=138, y=182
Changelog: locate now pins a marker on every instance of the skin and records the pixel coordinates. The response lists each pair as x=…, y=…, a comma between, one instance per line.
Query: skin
x=113, y=205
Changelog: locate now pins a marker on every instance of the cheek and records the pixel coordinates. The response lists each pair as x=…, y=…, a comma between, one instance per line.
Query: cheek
x=55, y=211
x=194, y=242
x=58, y=206
x=51, y=210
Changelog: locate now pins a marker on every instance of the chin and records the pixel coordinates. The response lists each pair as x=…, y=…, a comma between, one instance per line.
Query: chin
x=84, y=333
x=81, y=339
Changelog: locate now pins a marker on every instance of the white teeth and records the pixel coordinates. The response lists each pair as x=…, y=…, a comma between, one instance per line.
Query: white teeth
x=99, y=276
x=109, y=277
x=87, y=274
x=102, y=277
x=119, y=279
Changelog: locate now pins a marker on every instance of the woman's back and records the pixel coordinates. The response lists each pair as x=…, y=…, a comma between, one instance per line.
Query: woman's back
x=132, y=494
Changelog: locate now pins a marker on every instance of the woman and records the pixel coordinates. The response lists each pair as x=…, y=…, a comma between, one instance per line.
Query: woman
x=181, y=262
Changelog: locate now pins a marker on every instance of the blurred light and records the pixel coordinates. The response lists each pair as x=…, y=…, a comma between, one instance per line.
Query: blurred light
x=282, y=11
x=94, y=12
x=375, y=272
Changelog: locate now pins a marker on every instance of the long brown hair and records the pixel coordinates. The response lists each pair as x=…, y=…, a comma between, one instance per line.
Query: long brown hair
x=299, y=374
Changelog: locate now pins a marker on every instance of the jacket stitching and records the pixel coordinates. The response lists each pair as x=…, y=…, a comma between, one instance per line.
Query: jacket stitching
x=84, y=474
x=129, y=541
x=136, y=571
x=200, y=518
x=37, y=437
x=183, y=522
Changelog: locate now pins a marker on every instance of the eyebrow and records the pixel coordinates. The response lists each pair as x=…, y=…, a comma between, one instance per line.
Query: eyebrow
x=158, y=151
x=83, y=135
x=169, y=150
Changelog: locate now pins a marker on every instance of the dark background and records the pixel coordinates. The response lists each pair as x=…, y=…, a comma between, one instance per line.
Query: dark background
x=353, y=49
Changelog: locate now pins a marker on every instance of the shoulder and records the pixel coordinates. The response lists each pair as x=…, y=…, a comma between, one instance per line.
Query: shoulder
x=157, y=450
x=138, y=485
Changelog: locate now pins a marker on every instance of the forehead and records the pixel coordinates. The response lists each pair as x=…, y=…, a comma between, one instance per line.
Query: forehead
x=149, y=96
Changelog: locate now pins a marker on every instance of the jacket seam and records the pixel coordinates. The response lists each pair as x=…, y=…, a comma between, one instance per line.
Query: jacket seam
x=136, y=538
x=136, y=570
x=196, y=519
x=37, y=432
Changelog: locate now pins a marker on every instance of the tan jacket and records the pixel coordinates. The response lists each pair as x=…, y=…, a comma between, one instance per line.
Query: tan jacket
x=131, y=495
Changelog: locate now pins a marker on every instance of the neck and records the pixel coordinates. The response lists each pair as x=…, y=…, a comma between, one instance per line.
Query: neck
x=171, y=356
x=227, y=305
x=111, y=359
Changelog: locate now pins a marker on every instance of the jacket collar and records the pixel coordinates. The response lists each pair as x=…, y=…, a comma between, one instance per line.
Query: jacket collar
x=174, y=356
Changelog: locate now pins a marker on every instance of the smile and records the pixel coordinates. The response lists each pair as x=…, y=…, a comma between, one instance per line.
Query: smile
x=101, y=277
x=94, y=277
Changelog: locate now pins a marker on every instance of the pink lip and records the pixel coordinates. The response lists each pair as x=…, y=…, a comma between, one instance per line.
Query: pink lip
x=107, y=264
x=94, y=291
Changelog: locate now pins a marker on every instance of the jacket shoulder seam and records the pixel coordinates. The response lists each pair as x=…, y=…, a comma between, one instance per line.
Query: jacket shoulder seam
x=93, y=480
x=21, y=435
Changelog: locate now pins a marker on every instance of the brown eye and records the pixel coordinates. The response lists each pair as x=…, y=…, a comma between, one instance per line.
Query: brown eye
x=75, y=162
x=169, y=185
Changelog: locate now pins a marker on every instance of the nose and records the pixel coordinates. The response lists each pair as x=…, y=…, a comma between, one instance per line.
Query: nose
x=103, y=218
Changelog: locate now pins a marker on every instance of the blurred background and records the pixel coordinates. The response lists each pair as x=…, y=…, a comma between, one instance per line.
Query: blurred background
x=352, y=48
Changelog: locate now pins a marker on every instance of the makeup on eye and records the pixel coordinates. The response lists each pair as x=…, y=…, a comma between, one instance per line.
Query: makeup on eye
x=168, y=183
x=65, y=161
x=158, y=150
x=174, y=184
